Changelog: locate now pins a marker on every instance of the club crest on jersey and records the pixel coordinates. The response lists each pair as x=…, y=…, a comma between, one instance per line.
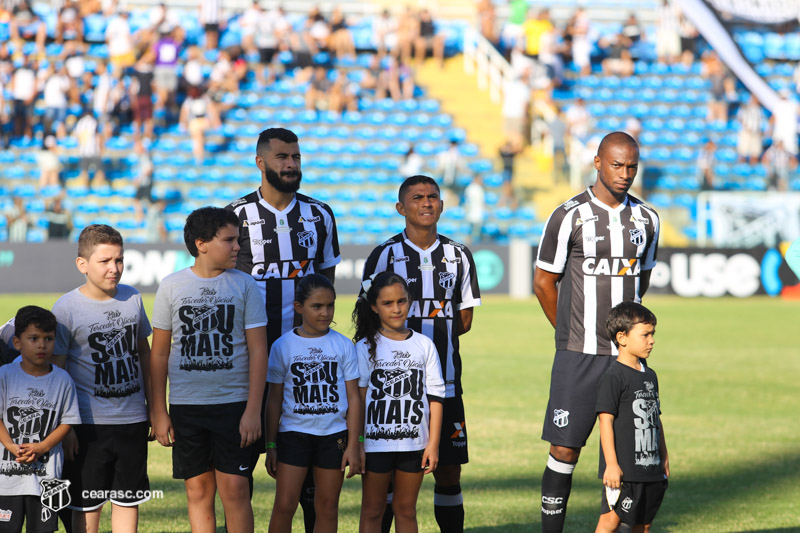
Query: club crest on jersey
x=398, y=383
x=582, y=221
x=306, y=239
x=116, y=342
x=637, y=236
x=204, y=318
x=259, y=222
x=30, y=422
x=55, y=493
x=309, y=219
x=447, y=280
x=626, y=504
x=314, y=372
x=560, y=418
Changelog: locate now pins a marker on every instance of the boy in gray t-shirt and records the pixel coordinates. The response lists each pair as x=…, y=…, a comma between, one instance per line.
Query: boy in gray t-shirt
x=210, y=339
x=102, y=335
x=37, y=407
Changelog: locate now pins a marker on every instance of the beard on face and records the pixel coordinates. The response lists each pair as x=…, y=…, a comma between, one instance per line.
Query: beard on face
x=274, y=179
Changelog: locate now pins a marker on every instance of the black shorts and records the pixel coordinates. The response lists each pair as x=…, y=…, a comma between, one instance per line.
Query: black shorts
x=638, y=502
x=207, y=437
x=111, y=465
x=385, y=462
x=212, y=27
x=265, y=55
x=16, y=510
x=453, y=441
x=571, y=411
x=305, y=450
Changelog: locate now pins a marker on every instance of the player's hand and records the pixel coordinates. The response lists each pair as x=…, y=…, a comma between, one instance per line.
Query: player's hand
x=352, y=457
x=162, y=425
x=250, y=427
x=430, y=458
x=70, y=445
x=612, y=477
x=272, y=462
x=666, y=466
x=30, y=451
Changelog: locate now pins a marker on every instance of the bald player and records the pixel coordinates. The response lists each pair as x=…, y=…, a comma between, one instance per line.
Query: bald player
x=597, y=250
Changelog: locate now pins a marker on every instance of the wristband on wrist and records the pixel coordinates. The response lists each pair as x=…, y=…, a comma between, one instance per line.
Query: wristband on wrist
x=272, y=445
x=361, y=438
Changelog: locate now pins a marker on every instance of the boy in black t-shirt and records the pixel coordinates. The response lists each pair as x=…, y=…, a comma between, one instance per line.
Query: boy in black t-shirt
x=634, y=464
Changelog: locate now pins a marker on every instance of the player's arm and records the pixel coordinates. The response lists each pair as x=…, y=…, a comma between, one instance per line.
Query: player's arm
x=545, y=285
x=31, y=451
x=250, y=425
x=612, y=477
x=644, y=281
x=144, y=360
x=159, y=363
x=352, y=455
x=662, y=446
x=464, y=320
x=272, y=417
x=329, y=273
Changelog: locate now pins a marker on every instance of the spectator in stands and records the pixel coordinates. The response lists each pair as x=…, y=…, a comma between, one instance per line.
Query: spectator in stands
x=271, y=27
x=141, y=96
x=449, y=165
x=49, y=164
x=533, y=29
x=486, y=20
x=163, y=20
x=619, y=60
x=407, y=33
x=318, y=29
x=400, y=80
x=90, y=150
x=475, y=207
x=4, y=117
x=17, y=221
x=143, y=181
x=632, y=29
x=784, y=121
x=156, y=224
x=248, y=21
x=318, y=93
x=165, y=72
x=668, y=39
x=751, y=124
x=427, y=39
x=103, y=99
x=120, y=41
x=515, y=110
x=224, y=78
x=513, y=34
x=581, y=47
x=344, y=94
x=412, y=164
x=69, y=24
x=26, y=25
x=198, y=115
x=23, y=90
x=74, y=60
x=384, y=29
x=723, y=88
x=59, y=220
x=56, y=91
x=550, y=51
x=706, y=162
x=508, y=152
x=557, y=128
x=779, y=163
x=578, y=122
x=341, y=40
x=689, y=38
x=375, y=78
x=193, y=68
x=211, y=19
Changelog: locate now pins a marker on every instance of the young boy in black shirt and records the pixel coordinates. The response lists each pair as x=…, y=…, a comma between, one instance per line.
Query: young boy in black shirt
x=634, y=464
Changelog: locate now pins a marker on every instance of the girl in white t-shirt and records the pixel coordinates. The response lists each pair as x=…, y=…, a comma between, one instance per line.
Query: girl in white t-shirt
x=402, y=390
x=313, y=409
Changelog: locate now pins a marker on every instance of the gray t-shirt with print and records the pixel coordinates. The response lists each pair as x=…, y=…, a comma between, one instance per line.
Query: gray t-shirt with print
x=208, y=361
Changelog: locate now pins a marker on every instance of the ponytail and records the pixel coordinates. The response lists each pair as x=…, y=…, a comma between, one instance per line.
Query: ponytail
x=367, y=322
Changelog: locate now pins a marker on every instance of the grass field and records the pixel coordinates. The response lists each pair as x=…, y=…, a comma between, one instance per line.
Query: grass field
x=728, y=372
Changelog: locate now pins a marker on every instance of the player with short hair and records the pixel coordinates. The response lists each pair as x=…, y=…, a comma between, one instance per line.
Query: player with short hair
x=38, y=405
x=102, y=337
x=209, y=339
x=634, y=463
x=284, y=235
x=443, y=288
x=597, y=250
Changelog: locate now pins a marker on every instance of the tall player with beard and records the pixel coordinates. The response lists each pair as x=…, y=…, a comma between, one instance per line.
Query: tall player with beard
x=284, y=235
x=443, y=290
x=597, y=250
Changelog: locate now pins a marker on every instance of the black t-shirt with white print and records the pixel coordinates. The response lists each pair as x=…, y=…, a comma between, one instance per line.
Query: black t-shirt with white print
x=631, y=395
x=278, y=248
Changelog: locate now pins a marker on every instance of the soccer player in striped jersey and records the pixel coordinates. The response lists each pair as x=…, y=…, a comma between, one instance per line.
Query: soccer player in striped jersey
x=443, y=288
x=597, y=250
x=284, y=236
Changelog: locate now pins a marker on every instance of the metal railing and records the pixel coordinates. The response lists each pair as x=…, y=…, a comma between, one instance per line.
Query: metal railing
x=482, y=59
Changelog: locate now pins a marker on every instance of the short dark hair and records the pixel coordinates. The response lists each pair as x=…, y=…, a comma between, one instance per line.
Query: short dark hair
x=31, y=314
x=309, y=283
x=205, y=223
x=94, y=235
x=282, y=134
x=415, y=180
x=624, y=316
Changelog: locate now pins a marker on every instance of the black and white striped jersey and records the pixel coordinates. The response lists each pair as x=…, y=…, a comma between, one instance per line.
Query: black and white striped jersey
x=441, y=281
x=601, y=252
x=278, y=248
